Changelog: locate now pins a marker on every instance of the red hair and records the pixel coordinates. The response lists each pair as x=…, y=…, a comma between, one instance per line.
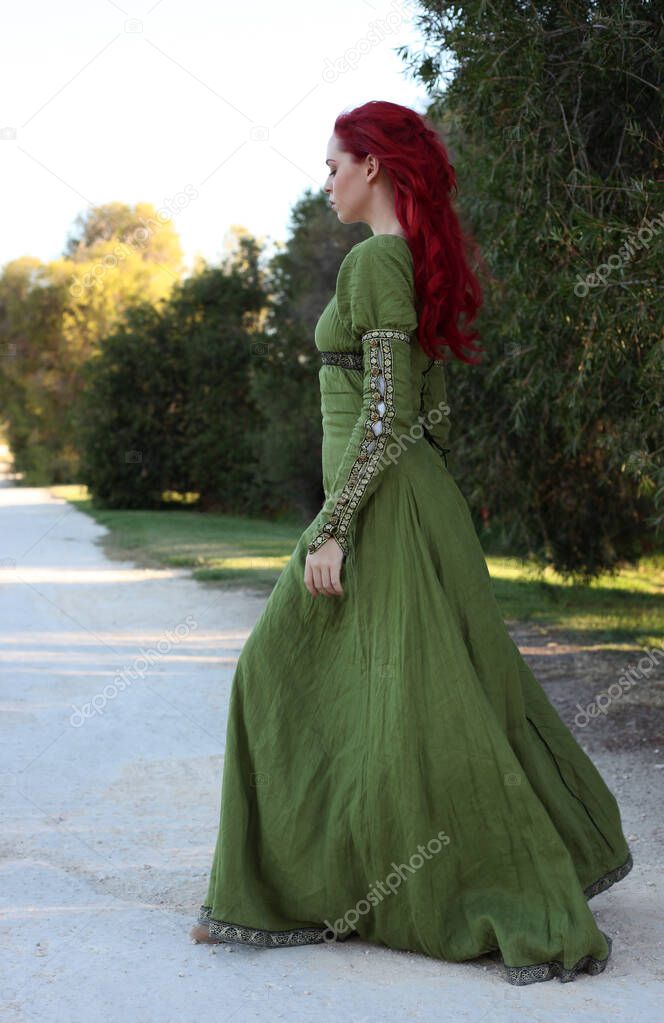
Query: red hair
x=417, y=164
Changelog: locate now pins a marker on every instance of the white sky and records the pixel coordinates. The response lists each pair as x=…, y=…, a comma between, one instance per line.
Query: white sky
x=138, y=102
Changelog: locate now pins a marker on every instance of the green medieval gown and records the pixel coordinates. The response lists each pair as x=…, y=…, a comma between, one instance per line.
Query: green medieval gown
x=393, y=769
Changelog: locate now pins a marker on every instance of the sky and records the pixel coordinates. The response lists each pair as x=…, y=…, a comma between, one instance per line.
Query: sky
x=219, y=114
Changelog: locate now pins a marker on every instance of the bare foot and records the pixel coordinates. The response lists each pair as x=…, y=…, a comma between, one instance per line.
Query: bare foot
x=201, y=932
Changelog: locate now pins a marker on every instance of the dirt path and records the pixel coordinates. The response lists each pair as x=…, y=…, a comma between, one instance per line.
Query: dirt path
x=115, y=683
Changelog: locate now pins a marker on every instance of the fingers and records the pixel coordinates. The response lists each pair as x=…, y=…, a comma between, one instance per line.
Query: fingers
x=313, y=580
x=321, y=578
x=332, y=582
x=309, y=579
x=329, y=581
x=326, y=578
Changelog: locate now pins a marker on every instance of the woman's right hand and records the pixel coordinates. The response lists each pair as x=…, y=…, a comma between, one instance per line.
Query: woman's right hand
x=322, y=570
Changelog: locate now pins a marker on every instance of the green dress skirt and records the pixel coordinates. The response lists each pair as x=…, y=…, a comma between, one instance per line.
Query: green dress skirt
x=393, y=769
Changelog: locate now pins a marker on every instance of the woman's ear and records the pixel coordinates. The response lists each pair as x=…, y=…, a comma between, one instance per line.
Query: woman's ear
x=373, y=167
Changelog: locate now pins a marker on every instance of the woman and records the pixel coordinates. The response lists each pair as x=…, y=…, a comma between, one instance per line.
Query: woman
x=393, y=769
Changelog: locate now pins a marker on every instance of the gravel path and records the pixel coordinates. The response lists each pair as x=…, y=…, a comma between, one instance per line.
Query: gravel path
x=115, y=683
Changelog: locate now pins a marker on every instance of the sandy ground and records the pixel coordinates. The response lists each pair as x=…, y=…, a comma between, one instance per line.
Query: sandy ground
x=110, y=805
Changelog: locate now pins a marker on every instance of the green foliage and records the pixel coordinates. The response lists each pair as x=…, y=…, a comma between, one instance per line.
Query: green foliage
x=33, y=399
x=129, y=414
x=168, y=403
x=553, y=118
x=53, y=319
x=214, y=316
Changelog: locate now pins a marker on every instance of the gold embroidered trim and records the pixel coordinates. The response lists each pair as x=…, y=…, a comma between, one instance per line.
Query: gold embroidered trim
x=224, y=930
x=608, y=879
x=347, y=360
x=520, y=975
x=377, y=429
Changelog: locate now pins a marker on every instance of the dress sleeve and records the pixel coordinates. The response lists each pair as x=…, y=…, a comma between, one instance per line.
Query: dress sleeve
x=435, y=410
x=375, y=300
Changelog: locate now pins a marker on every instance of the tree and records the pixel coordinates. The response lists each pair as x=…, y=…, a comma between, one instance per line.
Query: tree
x=54, y=317
x=554, y=115
x=168, y=403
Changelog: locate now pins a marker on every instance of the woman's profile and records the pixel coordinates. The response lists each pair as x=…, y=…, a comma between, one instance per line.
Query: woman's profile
x=393, y=769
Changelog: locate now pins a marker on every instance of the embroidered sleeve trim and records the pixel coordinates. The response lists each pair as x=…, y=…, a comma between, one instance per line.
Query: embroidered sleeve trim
x=377, y=429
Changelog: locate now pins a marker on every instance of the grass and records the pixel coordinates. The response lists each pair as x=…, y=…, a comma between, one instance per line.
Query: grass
x=224, y=549
x=622, y=609
x=619, y=610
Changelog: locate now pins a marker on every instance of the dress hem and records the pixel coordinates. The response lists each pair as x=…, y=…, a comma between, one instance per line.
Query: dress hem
x=226, y=931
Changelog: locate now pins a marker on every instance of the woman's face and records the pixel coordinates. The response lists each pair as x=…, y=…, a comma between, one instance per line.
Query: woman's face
x=347, y=183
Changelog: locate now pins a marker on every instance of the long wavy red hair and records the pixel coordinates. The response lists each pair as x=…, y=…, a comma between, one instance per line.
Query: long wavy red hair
x=416, y=161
